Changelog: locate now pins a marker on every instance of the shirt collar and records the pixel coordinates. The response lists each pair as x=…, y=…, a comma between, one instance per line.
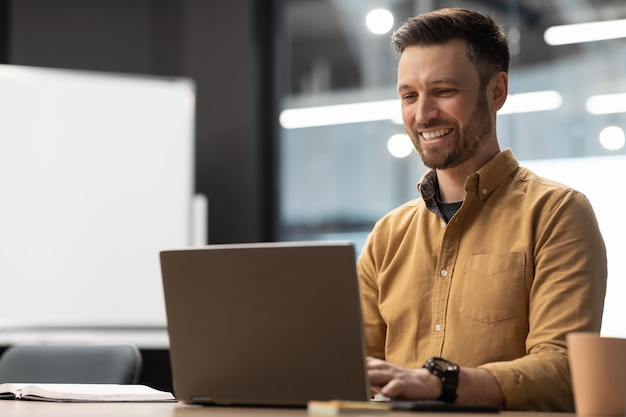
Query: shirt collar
x=482, y=182
x=427, y=187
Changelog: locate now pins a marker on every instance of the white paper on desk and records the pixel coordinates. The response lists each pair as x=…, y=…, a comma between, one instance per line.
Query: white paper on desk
x=83, y=392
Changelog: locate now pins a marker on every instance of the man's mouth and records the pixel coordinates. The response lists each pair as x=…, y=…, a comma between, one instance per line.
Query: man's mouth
x=435, y=134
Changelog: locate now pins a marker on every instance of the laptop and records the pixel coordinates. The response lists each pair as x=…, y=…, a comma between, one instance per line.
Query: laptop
x=265, y=324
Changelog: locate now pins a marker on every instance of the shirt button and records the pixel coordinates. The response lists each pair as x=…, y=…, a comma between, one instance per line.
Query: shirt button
x=484, y=191
x=437, y=327
x=444, y=273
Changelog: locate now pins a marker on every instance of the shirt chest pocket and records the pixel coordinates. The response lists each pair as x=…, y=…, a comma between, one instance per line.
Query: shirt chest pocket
x=492, y=287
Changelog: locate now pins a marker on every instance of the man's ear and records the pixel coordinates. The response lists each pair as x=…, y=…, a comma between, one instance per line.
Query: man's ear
x=498, y=90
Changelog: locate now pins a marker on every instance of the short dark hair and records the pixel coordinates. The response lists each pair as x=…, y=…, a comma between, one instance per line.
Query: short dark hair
x=488, y=47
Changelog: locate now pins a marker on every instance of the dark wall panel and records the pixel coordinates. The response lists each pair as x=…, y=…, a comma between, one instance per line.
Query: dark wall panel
x=4, y=31
x=112, y=35
x=231, y=140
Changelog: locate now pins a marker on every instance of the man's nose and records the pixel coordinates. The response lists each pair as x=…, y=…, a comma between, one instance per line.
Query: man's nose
x=425, y=111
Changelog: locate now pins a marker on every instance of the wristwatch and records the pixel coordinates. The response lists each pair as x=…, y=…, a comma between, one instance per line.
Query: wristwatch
x=448, y=372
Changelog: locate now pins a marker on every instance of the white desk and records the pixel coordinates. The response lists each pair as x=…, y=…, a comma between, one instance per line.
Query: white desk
x=20, y=408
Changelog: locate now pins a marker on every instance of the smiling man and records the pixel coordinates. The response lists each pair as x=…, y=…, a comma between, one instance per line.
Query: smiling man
x=469, y=291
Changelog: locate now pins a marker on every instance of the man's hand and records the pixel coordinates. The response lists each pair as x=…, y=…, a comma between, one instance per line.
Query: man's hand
x=476, y=385
x=396, y=382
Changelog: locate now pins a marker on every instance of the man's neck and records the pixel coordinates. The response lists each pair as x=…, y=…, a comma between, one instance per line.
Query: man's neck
x=452, y=181
x=451, y=188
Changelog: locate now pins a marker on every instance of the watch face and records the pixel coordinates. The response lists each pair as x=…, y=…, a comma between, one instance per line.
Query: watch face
x=445, y=365
x=453, y=367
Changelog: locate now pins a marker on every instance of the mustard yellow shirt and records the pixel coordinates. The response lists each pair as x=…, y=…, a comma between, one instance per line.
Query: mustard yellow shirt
x=521, y=264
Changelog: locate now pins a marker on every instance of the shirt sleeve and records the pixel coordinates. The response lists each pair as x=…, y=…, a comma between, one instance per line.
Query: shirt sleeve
x=375, y=326
x=567, y=295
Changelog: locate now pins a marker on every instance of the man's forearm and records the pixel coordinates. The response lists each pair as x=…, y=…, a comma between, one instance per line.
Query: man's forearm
x=478, y=386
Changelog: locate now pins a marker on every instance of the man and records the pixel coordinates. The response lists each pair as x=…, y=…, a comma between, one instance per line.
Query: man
x=468, y=292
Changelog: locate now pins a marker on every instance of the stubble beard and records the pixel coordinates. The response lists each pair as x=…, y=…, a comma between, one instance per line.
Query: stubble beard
x=469, y=141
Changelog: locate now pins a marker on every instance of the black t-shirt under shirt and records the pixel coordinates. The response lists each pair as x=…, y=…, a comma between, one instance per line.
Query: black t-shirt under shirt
x=448, y=209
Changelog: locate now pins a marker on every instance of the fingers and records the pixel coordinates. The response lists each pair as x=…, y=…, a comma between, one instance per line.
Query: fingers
x=380, y=372
x=379, y=378
x=394, y=381
x=381, y=365
x=374, y=363
x=389, y=382
x=381, y=375
x=396, y=388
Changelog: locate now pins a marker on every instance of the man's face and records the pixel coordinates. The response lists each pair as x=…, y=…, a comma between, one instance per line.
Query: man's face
x=444, y=108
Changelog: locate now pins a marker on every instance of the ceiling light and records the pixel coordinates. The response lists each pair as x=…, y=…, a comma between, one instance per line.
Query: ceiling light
x=606, y=103
x=379, y=21
x=372, y=111
x=530, y=102
x=585, y=32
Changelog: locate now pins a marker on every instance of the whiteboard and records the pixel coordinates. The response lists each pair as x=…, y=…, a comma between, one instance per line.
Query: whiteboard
x=96, y=176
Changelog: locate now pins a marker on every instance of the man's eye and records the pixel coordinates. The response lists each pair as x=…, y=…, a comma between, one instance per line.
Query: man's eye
x=409, y=97
x=446, y=91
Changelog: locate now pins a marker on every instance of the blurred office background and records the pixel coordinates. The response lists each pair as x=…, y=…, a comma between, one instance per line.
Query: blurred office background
x=252, y=60
x=337, y=179
x=264, y=69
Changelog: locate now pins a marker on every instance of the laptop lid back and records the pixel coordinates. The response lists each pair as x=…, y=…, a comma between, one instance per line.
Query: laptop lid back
x=265, y=324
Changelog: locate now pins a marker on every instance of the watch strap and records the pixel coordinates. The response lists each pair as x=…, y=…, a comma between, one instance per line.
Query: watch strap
x=448, y=373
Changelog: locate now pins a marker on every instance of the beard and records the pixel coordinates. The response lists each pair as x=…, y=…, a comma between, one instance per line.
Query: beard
x=470, y=139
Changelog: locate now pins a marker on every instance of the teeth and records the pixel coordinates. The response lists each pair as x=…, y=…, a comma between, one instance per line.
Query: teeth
x=435, y=134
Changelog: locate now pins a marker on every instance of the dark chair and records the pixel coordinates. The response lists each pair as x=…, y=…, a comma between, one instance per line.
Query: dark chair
x=82, y=364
